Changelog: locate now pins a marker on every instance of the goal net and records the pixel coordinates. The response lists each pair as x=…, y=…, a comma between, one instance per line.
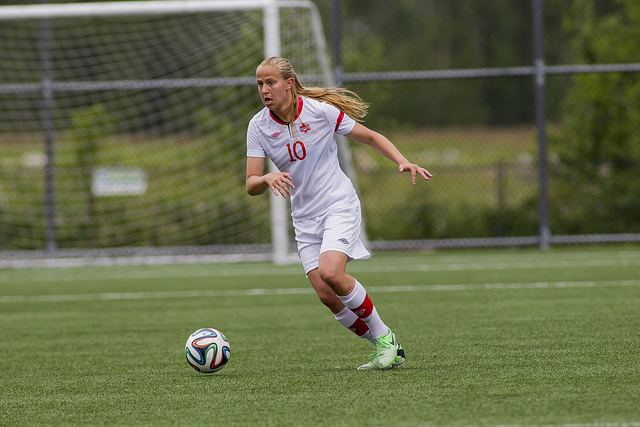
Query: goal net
x=122, y=125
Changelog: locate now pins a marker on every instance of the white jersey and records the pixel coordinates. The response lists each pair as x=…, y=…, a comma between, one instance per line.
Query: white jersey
x=307, y=150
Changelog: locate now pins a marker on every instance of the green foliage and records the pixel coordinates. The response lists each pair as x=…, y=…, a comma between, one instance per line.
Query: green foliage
x=596, y=184
x=440, y=35
x=91, y=124
x=89, y=127
x=193, y=197
x=196, y=195
x=483, y=186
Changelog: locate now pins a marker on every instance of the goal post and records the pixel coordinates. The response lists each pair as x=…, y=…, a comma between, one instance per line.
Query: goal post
x=143, y=107
x=131, y=8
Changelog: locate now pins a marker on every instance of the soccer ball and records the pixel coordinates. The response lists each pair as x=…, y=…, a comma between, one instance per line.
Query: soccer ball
x=207, y=350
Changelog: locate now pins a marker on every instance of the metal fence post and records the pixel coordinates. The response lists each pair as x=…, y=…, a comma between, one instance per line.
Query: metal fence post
x=336, y=35
x=47, y=124
x=544, y=233
x=501, y=197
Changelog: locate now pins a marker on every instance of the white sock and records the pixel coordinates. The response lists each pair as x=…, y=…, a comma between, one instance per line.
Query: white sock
x=359, y=302
x=355, y=324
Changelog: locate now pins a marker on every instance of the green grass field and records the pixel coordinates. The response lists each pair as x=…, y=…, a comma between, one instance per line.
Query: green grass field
x=492, y=337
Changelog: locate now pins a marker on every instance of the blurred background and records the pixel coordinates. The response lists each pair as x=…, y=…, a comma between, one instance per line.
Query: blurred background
x=127, y=133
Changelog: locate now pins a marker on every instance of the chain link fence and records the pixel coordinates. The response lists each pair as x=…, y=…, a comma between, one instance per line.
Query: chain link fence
x=493, y=97
x=484, y=99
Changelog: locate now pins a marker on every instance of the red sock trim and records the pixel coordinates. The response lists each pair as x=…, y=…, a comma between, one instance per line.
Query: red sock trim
x=365, y=309
x=359, y=327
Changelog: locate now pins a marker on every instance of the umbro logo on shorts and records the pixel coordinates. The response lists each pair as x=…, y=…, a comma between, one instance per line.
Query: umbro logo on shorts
x=343, y=240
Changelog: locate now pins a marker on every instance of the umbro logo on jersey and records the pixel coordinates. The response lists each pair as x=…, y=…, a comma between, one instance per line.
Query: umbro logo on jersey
x=276, y=134
x=343, y=240
x=305, y=128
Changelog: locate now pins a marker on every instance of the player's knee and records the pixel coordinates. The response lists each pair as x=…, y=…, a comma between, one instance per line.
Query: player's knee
x=330, y=276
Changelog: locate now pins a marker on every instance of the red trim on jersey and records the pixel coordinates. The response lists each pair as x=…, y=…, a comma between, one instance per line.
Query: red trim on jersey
x=340, y=117
x=359, y=327
x=365, y=309
x=282, y=122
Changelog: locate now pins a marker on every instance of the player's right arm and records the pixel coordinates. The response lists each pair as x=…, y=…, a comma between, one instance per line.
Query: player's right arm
x=279, y=182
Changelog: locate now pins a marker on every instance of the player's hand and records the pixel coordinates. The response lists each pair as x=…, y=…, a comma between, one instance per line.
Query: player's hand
x=414, y=170
x=280, y=183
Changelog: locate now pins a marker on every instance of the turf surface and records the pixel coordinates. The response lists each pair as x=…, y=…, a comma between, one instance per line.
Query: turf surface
x=492, y=337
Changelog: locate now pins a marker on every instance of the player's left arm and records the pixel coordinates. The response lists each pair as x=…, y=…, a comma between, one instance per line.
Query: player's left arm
x=381, y=143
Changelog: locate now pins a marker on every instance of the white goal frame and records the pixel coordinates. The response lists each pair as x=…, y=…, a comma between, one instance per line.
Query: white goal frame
x=281, y=253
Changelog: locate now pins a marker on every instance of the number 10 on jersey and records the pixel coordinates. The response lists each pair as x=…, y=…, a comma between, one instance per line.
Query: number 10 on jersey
x=297, y=151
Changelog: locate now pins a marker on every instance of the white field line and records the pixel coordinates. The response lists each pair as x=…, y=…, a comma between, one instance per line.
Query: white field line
x=211, y=271
x=123, y=296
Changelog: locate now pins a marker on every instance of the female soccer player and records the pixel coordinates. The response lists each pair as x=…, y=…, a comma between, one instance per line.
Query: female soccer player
x=296, y=131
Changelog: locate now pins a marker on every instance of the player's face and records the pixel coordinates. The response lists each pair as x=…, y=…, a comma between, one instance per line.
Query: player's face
x=275, y=92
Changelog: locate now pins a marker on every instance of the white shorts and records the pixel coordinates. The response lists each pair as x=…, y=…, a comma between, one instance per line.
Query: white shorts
x=336, y=230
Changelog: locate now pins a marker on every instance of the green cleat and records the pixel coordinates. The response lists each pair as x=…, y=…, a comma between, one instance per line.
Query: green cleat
x=400, y=358
x=385, y=355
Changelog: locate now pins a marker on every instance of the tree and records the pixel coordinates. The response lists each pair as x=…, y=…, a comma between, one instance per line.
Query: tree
x=596, y=184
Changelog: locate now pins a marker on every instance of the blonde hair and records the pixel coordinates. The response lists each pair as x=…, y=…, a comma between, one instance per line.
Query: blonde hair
x=343, y=99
